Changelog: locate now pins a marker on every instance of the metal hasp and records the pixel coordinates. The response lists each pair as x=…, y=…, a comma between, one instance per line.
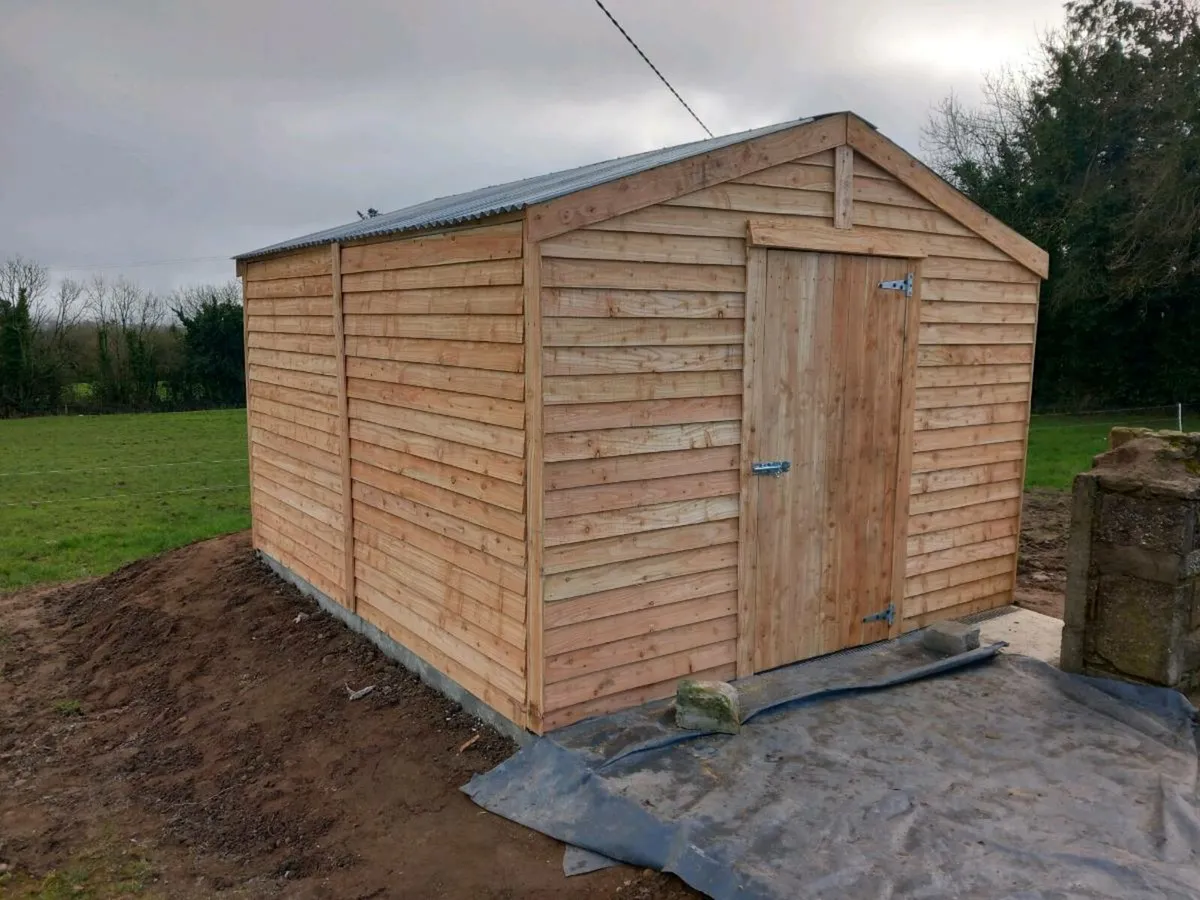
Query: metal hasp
x=770, y=468
x=886, y=615
x=900, y=284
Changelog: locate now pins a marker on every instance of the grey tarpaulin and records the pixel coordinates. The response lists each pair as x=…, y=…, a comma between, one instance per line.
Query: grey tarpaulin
x=1005, y=778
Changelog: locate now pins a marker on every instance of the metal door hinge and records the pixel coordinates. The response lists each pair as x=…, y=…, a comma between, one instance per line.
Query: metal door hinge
x=886, y=615
x=900, y=284
x=770, y=468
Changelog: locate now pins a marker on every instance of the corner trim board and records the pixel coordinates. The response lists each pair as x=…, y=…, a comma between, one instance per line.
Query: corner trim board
x=339, y=342
x=241, y=271
x=534, y=494
x=1012, y=588
x=904, y=446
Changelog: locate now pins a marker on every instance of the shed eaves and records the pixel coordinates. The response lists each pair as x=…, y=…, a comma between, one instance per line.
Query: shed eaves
x=515, y=195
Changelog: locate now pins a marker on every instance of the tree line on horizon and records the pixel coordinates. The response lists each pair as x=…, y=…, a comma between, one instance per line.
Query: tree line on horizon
x=1093, y=153
x=108, y=345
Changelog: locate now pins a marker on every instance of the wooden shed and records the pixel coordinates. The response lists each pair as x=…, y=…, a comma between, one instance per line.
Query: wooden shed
x=702, y=411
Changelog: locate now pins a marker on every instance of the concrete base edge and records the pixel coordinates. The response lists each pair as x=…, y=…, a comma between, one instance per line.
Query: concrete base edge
x=401, y=654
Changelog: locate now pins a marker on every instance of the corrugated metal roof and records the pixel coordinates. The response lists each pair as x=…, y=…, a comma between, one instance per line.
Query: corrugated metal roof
x=515, y=195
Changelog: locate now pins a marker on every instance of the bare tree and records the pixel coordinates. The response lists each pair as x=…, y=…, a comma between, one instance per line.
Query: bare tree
x=127, y=358
x=958, y=136
x=186, y=302
x=66, y=309
x=120, y=303
x=19, y=274
x=53, y=314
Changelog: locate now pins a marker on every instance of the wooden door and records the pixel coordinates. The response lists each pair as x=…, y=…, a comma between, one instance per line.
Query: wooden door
x=830, y=370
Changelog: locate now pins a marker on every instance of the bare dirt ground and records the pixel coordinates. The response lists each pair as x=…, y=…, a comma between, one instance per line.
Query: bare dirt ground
x=1042, y=569
x=181, y=728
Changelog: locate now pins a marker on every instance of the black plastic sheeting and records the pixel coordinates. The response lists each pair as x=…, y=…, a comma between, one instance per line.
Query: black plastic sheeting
x=885, y=773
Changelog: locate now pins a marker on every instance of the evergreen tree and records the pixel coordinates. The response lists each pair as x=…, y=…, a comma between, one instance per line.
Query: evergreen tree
x=214, y=366
x=1096, y=157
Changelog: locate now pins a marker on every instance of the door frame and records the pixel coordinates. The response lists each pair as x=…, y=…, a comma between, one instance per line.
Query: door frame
x=756, y=291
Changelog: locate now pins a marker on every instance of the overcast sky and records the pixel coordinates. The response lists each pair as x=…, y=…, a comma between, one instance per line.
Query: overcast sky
x=134, y=131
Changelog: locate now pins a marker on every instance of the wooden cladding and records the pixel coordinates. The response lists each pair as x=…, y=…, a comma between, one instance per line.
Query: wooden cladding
x=435, y=355
x=387, y=427
x=642, y=344
x=518, y=448
x=294, y=419
x=643, y=347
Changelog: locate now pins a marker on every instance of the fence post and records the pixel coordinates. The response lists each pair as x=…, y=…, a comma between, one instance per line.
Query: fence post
x=1179, y=412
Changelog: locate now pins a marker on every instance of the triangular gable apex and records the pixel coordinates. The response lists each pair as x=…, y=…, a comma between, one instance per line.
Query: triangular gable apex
x=607, y=201
x=914, y=174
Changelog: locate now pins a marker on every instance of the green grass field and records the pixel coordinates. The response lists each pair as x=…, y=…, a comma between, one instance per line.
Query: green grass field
x=82, y=495
x=1060, y=447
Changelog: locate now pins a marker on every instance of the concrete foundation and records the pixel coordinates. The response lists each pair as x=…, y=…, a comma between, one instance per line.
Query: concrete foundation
x=1133, y=562
x=1025, y=631
x=401, y=654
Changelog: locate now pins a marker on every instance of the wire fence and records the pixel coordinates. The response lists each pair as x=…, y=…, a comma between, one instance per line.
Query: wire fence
x=1173, y=415
x=197, y=462
x=84, y=406
x=127, y=495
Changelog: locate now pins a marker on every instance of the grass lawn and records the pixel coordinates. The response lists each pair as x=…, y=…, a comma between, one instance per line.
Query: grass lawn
x=82, y=495
x=1060, y=447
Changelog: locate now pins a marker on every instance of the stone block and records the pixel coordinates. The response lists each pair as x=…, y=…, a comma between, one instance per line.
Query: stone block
x=707, y=706
x=1122, y=435
x=1133, y=627
x=1146, y=522
x=1137, y=562
x=950, y=638
x=1133, y=562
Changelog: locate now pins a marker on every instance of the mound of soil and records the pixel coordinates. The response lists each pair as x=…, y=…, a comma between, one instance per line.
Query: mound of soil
x=1042, y=564
x=195, y=707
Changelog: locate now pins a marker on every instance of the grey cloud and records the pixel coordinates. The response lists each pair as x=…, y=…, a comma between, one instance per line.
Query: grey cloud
x=148, y=130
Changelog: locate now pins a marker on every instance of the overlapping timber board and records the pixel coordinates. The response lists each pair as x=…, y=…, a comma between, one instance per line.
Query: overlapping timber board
x=643, y=336
x=292, y=416
x=434, y=375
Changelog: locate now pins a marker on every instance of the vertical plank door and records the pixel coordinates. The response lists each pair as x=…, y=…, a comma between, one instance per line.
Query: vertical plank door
x=829, y=376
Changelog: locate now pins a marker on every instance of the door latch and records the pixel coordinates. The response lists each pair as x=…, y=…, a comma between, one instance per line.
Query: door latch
x=776, y=468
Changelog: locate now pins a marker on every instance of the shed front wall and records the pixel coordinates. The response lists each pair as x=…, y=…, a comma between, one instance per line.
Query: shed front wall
x=426, y=392
x=643, y=335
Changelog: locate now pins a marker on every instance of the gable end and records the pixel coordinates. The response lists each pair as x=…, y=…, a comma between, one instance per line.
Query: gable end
x=914, y=174
x=606, y=201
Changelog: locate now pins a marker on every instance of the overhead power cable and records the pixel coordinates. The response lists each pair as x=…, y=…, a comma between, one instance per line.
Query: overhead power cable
x=654, y=68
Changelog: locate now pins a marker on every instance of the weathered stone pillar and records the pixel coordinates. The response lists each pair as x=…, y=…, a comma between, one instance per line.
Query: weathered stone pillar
x=1133, y=562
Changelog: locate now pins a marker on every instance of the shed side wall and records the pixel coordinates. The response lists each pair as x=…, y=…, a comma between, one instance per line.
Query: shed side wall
x=434, y=376
x=292, y=416
x=643, y=336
